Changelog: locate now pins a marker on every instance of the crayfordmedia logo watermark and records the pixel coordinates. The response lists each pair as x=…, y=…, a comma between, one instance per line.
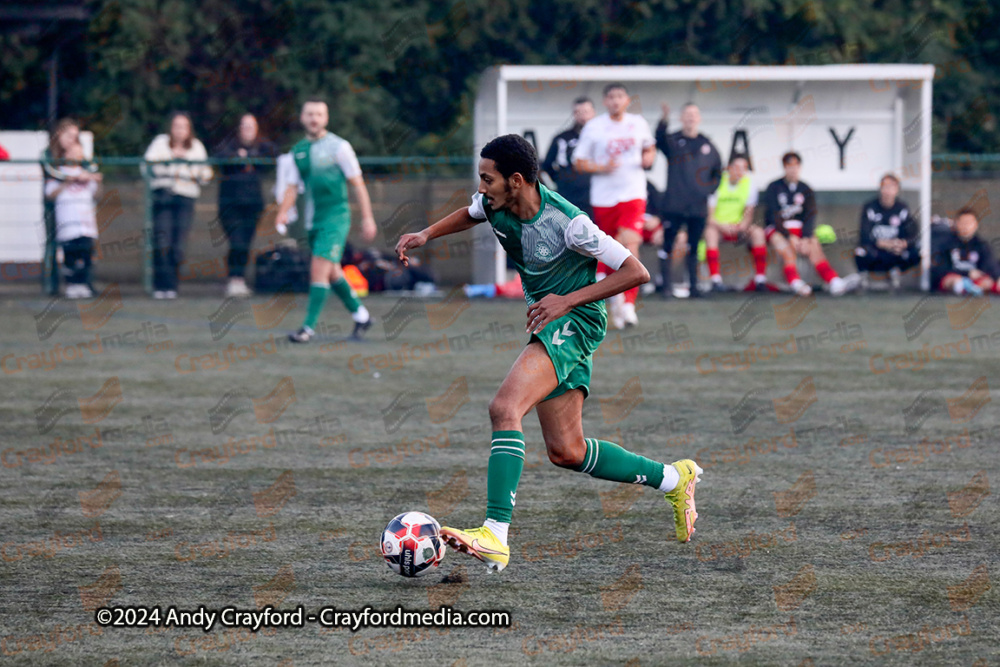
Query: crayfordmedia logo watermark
x=49, y=547
x=570, y=548
x=917, y=641
x=266, y=409
x=93, y=315
x=225, y=546
x=786, y=409
x=918, y=547
x=440, y=409
x=849, y=337
x=742, y=547
x=51, y=453
x=48, y=640
x=742, y=642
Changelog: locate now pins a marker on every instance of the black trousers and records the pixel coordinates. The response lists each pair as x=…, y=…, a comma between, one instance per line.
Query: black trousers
x=239, y=221
x=672, y=224
x=172, y=215
x=882, y=260
x=77, y=258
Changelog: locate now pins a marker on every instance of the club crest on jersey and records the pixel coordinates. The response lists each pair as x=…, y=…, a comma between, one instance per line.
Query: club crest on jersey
x=543, y=251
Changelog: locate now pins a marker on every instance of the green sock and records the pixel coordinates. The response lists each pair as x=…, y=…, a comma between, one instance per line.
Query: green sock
x=317, y=297
x=346, y=293
x=503, y=474
x=606, y=460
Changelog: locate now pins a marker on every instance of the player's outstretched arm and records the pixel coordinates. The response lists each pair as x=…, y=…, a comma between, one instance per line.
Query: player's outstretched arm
x=456, y=222
x=552, y=306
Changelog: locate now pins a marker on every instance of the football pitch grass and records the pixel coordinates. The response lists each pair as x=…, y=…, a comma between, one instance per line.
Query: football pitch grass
x=846, y=512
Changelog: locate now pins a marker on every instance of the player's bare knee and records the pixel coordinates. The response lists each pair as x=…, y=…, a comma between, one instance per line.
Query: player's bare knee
x=566, y=456
x=503, y=413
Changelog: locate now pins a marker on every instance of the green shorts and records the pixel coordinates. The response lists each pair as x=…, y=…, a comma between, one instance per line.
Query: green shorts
x=570, y=343
x=327, y=240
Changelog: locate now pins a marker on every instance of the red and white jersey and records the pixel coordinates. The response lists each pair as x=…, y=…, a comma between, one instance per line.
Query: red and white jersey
x=602, y=140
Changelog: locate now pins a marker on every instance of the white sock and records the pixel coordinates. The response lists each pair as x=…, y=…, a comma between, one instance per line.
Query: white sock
x=499, y=529
x=361, y=314
x=717, y=279
x=958, y=287
x=671, y=478
x=760, y=278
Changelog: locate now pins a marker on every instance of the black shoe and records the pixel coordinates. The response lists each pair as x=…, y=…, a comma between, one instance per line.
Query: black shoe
x=361, y=327
x=696, y=293
x=760, y=287
x=721, y=287
x=303, y=335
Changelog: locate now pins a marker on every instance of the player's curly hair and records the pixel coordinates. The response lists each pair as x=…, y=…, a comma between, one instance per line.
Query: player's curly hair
x=513, y=154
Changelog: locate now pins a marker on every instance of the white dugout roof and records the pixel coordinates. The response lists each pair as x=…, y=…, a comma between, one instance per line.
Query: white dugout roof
x=851, y=123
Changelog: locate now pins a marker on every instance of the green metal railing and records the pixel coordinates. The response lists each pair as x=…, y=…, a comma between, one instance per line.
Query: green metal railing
x=50, y=270
x=941, y=162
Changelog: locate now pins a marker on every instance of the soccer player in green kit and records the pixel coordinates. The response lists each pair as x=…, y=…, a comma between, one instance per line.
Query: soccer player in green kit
x=326, y=164
x=555, y=248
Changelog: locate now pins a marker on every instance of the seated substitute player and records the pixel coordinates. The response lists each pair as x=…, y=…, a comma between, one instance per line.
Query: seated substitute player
x=888, y=233
x=325, y=164
x=966, y=263
x=555, y=248
x=790, y=218
x=730, y=218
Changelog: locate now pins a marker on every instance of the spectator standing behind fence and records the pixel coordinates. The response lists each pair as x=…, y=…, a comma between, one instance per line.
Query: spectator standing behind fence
x=241, y=199
x=176, y=184
x=573, y=185
x=888, y=233
x=76, y=219
x=64, y=136
x=694, y=169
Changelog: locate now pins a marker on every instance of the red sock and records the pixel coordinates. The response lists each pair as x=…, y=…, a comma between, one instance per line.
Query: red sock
x=825, y=271
x=604, y=268
x=631, y=295
x=712, y=257
x=760, y=260
x=791, y=273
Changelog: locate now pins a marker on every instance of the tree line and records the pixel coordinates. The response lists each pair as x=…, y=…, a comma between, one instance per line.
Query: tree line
x=400, y=75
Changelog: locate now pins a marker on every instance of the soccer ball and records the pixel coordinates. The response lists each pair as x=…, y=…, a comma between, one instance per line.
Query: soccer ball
x=412, y=544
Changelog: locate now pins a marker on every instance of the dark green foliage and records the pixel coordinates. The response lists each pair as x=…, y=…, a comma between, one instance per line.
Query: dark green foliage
x=400, y=76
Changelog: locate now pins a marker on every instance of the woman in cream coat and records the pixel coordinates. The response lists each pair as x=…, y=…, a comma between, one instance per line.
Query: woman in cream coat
x=176, y=184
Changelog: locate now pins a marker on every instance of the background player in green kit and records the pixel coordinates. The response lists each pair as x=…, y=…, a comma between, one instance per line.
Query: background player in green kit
x=555, y=247
x=325, y=164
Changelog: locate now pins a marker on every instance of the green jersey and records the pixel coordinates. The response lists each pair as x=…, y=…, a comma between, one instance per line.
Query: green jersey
x=556, y=252
x=324, y=166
